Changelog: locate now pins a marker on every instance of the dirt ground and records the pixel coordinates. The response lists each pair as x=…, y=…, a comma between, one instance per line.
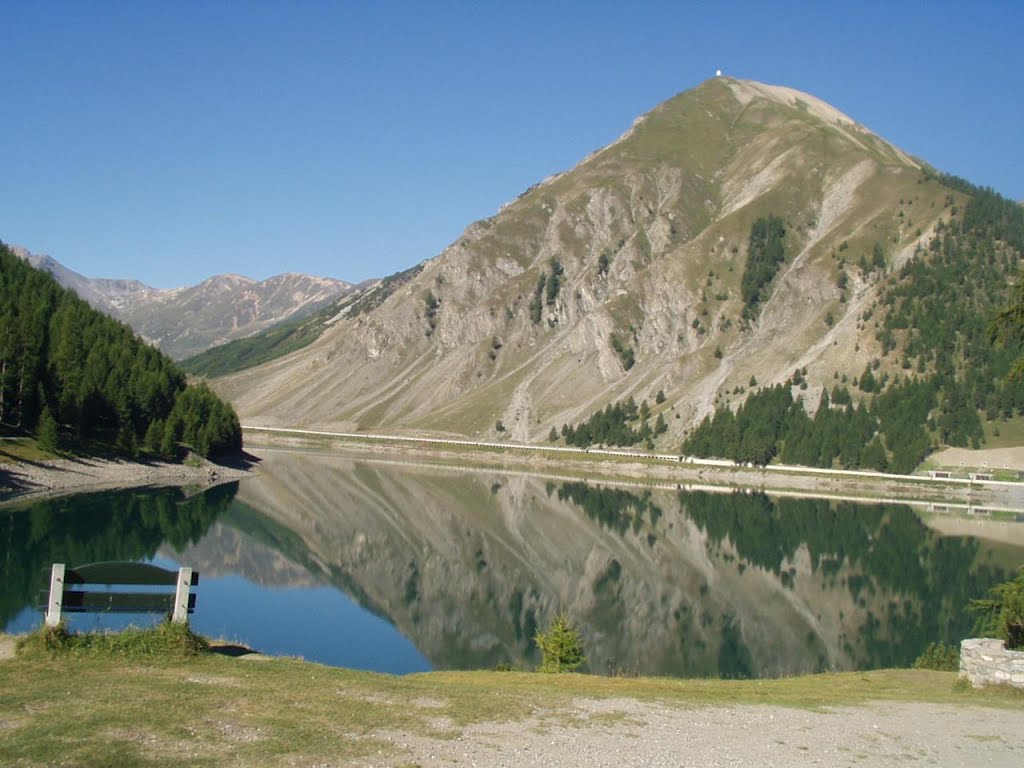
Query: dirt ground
x=984, y=458
x=625, y=733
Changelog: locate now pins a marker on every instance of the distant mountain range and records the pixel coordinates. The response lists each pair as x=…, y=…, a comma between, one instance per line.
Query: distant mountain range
x=185, y=321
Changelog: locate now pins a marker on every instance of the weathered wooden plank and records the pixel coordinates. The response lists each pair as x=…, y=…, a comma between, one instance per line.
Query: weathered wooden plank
x=124, y=573
x=63, y=597
x=122, y=602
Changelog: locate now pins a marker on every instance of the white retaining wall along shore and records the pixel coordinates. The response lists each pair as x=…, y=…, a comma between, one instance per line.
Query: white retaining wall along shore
x=985, y=661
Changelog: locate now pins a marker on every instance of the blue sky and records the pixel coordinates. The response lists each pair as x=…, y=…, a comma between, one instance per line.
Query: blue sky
x=168, y=142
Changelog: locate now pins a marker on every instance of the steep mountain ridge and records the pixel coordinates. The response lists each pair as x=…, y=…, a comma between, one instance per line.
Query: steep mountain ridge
x=622, y=278
x=187, y=320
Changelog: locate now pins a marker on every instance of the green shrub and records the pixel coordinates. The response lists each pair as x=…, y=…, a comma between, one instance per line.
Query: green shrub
x=945, y=658
x=561, y=646
x=1002, y=614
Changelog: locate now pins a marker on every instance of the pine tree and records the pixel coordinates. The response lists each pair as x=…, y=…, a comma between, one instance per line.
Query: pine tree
x=660, y=427
x=48, y=433
x=561, y=646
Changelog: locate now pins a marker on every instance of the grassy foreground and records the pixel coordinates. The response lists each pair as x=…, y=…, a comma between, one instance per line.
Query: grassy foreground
x=170, y=701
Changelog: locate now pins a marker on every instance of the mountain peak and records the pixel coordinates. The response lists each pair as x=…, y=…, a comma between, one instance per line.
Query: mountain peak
x=622, y=278
x=747, y=90
x=227, y=281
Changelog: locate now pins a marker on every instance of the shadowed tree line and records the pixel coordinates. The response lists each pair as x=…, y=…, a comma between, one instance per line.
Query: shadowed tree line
x=81, y=380
x=889, y=435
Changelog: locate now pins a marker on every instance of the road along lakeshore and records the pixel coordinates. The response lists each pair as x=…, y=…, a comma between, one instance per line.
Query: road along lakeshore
x=964, y=494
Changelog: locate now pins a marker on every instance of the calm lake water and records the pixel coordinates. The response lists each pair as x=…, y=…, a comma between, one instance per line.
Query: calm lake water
x=400, y=568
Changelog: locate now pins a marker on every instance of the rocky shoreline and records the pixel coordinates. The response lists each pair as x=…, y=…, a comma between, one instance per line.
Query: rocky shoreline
x=25, y=480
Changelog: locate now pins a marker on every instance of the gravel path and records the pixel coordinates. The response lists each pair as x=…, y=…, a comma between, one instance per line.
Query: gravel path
x=624, y=733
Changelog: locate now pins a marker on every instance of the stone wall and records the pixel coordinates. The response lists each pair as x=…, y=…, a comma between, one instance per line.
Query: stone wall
x=985, y=661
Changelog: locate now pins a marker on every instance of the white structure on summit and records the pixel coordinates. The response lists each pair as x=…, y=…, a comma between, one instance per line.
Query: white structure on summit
x=718, y=73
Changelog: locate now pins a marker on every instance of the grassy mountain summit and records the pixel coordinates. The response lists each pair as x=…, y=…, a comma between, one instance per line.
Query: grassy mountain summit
x=640, y=274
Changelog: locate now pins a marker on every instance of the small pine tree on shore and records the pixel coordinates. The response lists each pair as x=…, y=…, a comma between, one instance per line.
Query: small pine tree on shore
x=48, y=433
x=561, y=646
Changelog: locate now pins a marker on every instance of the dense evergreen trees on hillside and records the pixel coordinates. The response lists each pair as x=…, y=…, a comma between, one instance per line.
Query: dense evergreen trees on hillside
x=77, y=378
x=888, y=436
x=765, y=254
x=753, y=433
x=614, y=426
x=1007, y=328
x=934, y=319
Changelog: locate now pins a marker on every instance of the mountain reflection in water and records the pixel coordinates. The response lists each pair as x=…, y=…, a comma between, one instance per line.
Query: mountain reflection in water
x=468, y=564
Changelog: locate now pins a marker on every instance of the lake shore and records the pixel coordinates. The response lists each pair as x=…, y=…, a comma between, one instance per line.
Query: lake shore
x=28, y=480
x=654, y=473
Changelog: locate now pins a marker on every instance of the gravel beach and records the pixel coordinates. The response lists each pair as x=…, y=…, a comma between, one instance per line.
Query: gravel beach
x=25, y=480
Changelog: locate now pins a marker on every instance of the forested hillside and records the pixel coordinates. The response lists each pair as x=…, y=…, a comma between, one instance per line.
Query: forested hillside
x=79, y=380
x=938, y=375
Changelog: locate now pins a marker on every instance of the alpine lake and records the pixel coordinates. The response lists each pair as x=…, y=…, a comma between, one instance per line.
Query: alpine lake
x=402, y=567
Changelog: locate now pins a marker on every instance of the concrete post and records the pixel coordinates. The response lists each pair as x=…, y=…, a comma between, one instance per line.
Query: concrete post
x=56, y=595
x=181, y=596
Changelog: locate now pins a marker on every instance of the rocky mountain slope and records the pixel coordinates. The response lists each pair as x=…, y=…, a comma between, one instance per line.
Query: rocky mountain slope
x=185, y=321
x=623, y=278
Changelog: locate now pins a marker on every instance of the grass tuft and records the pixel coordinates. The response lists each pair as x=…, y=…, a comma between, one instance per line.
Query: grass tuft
x=168, y=640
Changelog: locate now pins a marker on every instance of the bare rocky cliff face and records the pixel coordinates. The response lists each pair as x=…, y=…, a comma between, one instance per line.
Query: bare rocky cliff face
x=185, y=321
x=622, y=278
